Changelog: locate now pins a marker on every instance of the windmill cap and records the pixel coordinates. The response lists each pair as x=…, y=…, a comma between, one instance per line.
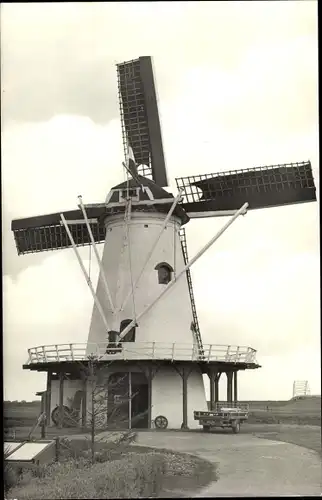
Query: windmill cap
x=157, y=191
x=158, y=194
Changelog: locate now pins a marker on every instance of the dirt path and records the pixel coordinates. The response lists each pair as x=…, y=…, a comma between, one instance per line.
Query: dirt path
x=247, y=465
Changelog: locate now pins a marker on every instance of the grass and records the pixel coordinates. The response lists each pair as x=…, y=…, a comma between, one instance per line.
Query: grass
x=301, y=435
x=283, y=418
x=121, y=471
x=20, y=414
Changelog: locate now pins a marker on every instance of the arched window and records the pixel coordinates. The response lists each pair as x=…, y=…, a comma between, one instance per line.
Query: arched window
x=164, y=273
x=130, y=336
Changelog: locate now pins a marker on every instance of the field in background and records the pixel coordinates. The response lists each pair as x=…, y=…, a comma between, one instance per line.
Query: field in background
x=305, y=411
x=20, y=414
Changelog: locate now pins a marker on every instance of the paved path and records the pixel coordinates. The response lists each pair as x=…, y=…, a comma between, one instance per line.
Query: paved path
x=247, y=465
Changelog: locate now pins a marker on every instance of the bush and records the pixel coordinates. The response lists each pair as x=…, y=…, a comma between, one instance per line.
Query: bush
x=10, y=477
x=133, y=476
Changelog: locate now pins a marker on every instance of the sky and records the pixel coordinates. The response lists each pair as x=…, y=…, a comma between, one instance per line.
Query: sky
x=237, y=85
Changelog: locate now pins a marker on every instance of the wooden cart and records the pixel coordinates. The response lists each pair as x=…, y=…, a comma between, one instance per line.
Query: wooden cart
x=225, y=415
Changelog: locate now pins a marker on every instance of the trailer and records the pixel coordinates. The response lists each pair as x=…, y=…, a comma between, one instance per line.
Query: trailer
x=225, y=415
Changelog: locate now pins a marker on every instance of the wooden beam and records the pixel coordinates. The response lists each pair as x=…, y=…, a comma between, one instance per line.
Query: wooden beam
x=48, y=397
x=42, y=410
x=229, y=386
x=212, y=376
x=149, y=377
x=217, y=377
x=61, y=399
x=235, y=387
x=185, y=376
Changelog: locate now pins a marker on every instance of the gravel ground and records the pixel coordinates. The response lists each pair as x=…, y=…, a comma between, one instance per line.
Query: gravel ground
x=247, y=465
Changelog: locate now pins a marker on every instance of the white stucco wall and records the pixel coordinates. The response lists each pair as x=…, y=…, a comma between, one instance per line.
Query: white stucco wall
x=167, y=396
x=170, y=319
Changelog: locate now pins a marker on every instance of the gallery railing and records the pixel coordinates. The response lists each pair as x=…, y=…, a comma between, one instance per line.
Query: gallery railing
x=141, y=350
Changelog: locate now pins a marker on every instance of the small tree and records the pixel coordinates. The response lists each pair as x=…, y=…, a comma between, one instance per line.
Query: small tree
x=97, y=375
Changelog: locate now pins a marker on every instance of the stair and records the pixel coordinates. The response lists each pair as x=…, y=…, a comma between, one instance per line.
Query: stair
x=183, y=242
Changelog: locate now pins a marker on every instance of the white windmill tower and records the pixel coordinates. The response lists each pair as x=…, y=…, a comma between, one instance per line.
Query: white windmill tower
x=144, y=318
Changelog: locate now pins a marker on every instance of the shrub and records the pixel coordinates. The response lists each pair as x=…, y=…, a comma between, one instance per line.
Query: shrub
x=133, y=476
x=10, y=477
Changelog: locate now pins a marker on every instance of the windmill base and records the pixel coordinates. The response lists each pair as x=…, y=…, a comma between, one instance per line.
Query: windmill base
x=133, y=394
x=134, y=398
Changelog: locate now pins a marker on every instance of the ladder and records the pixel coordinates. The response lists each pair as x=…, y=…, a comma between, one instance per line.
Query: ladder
x=196, y=329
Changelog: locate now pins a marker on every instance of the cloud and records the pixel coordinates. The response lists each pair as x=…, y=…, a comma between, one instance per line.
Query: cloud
x=237, y=89
x=60, y=58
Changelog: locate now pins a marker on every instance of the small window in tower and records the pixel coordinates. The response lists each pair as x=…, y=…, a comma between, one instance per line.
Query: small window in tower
x=164, y=273
x=130, y=336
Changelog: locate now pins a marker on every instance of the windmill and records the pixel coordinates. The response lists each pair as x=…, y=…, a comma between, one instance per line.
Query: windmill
x=144, y=316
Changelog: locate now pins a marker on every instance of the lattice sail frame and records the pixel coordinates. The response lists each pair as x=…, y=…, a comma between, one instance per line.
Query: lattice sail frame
x=50, y=234
x=261, y=187
x=140, y=118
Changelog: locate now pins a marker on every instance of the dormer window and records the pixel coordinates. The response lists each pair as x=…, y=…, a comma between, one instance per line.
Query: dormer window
x=164, y=273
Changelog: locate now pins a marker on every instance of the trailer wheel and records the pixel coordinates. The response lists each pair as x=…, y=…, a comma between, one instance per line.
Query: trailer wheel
x=236, y=427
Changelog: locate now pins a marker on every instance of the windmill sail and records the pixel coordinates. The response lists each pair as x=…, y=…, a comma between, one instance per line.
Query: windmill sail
x=140, y=118
x=45, y=232
x=261, y=187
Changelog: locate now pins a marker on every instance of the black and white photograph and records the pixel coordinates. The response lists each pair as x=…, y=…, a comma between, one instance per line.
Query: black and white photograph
x=160, y=249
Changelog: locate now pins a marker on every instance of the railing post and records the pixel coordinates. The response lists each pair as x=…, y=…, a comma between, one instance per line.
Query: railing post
x=173, y=351
x=36, y=350
x=72, y=352
x=237, y=355
x=249, y=355
x=227, y=353
x=29, y=354
x=209, y=353
x=153, y=349
x=44, y=353
x=57, y=352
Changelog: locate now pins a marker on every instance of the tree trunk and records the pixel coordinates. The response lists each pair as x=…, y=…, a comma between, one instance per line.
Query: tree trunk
x=93, y=427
